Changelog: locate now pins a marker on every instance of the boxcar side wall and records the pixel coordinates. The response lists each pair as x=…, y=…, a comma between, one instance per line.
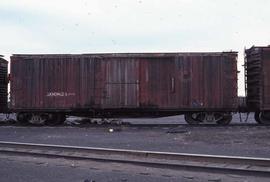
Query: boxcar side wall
x=52, y=82
x=179, y=82
x=189, y=82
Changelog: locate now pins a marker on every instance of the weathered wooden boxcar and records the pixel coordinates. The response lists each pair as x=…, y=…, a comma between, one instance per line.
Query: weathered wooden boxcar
x=3, y=85
x=203, y=86
x=257, y=66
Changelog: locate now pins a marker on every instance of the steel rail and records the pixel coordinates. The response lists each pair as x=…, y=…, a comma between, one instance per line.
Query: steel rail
x=82, y=125
x=194, y=162
x=187, y=125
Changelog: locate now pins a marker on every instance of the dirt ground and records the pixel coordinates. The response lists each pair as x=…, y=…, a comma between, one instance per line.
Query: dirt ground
x=238, y=140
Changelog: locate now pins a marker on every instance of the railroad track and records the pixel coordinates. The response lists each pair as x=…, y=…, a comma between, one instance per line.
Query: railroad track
x=184, y=161
x=195, y=126
x=131, y=125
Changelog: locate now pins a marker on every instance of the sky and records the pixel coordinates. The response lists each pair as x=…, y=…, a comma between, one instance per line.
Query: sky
x=81, y=26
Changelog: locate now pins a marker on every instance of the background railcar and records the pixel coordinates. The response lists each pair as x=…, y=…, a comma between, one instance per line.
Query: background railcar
x=257, y=66
x=3, y=85
x=203, y=86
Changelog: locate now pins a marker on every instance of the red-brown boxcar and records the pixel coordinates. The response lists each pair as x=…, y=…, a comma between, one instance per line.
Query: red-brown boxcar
x=3, y=84
x=257, y=65
x=201, y=85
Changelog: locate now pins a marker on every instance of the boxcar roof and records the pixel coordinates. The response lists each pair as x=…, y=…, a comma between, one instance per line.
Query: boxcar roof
x=165, y=54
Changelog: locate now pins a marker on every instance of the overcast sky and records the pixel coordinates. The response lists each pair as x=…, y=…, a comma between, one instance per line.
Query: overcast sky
x=55, y=26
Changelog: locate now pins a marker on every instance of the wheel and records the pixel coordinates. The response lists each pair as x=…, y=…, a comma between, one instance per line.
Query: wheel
x=23, y=118
x=257, y=117
x=264, y=118
x=62, y=118
x=226, y=119
x=191, y=118
x=55, y=119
